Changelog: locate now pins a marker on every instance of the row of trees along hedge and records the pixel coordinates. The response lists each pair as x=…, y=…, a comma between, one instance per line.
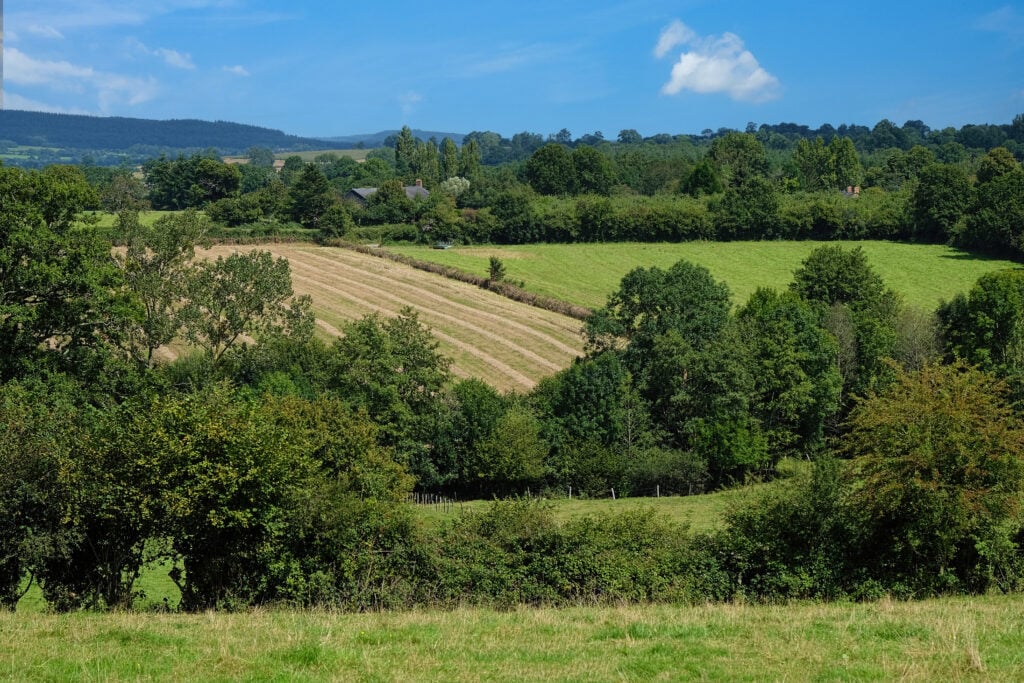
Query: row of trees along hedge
x=271, y=466
x=728, y=186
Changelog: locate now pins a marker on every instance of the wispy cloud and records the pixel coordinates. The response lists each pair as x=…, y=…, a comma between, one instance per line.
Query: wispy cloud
x=172, y=58
x=408, y=102
x=1004, y=20
x=714, y=64
x=109, y=89
x=70, y=15
x=675, y=34
x=15, y=101
x=237, y=70
x=509, y=58
x=42, y=31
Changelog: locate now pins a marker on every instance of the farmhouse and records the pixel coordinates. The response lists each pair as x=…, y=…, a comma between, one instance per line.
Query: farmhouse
x=361, y=194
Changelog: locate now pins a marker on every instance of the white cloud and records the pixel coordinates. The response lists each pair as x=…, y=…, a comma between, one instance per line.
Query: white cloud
x=179, y=60
x=21, y=69
x=109, y=88
x=237, y=70
x=714, y=64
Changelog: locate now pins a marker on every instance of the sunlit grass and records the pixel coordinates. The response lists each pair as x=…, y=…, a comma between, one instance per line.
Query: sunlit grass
x=697, y=513
x=585, y=274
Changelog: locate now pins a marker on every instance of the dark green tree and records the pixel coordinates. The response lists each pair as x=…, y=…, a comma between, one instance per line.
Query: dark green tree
x=997, y=162
x=748, y=210
x=939, y=201
x=739, y=157
x=702, y=180
x=156, y=268
x=389, y=204
x=550, y=170
x=405, y=152
x=994, y=221
x=242, y=296
x=449, y=159
x=311, y=197
x=392, y=370
x=986, y=327
x=857, y=308
x=792, y=361
x=57, y=282
x=650, y=302
x=938, y=470
x=594, y=171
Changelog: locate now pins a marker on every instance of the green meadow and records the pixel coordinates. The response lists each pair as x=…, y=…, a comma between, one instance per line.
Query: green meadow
x=953, y=639
x=698, y=513
x=586, y=274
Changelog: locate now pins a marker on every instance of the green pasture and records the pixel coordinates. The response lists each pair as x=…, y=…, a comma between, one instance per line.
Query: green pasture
x=953, y=639
x=586, y=274
x=703, y=512
x=357, y=154
x=105, y=219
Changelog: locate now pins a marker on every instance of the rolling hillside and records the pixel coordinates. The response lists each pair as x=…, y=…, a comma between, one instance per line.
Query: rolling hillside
x=71, y=131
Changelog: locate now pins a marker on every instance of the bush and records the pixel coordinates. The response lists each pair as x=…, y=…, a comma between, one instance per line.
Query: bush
x=515, y=553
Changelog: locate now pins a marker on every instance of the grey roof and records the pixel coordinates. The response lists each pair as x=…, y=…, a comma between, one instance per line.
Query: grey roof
x=411, y=191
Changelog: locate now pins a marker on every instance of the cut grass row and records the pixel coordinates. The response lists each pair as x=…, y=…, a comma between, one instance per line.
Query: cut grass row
x=585, y=274
x=508, y=344
x=948, y=639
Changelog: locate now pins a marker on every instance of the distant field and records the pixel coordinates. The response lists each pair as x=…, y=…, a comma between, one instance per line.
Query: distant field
x=107, y=220
x=357, y=154
x=586, y=274
x=508, y=344
x=952, y=639
x=699, y=513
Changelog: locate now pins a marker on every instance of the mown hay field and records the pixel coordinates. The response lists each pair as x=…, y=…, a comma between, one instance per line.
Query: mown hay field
x=935, y=640
x=585, y=274
x=507, y=344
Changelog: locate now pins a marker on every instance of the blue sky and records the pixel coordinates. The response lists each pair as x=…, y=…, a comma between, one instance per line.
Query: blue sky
x=338, y=68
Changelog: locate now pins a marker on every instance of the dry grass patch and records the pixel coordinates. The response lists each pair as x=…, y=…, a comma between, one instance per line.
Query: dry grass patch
x=508, y=344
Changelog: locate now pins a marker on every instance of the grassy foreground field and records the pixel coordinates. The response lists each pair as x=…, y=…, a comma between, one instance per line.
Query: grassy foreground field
x=508, y=344
x=586, y=274
x=938, y=640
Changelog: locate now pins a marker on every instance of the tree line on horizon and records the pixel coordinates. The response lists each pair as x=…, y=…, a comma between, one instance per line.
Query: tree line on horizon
x=889, y=182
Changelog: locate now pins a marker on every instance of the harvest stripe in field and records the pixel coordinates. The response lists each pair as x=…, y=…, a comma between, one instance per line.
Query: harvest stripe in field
x=510, y=374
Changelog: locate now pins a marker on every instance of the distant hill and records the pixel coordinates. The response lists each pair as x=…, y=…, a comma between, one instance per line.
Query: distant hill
x=117, y=134
x=377, y=139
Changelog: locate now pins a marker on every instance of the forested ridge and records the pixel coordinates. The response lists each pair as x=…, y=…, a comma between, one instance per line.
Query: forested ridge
x=106, y=133
x=268, y=466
